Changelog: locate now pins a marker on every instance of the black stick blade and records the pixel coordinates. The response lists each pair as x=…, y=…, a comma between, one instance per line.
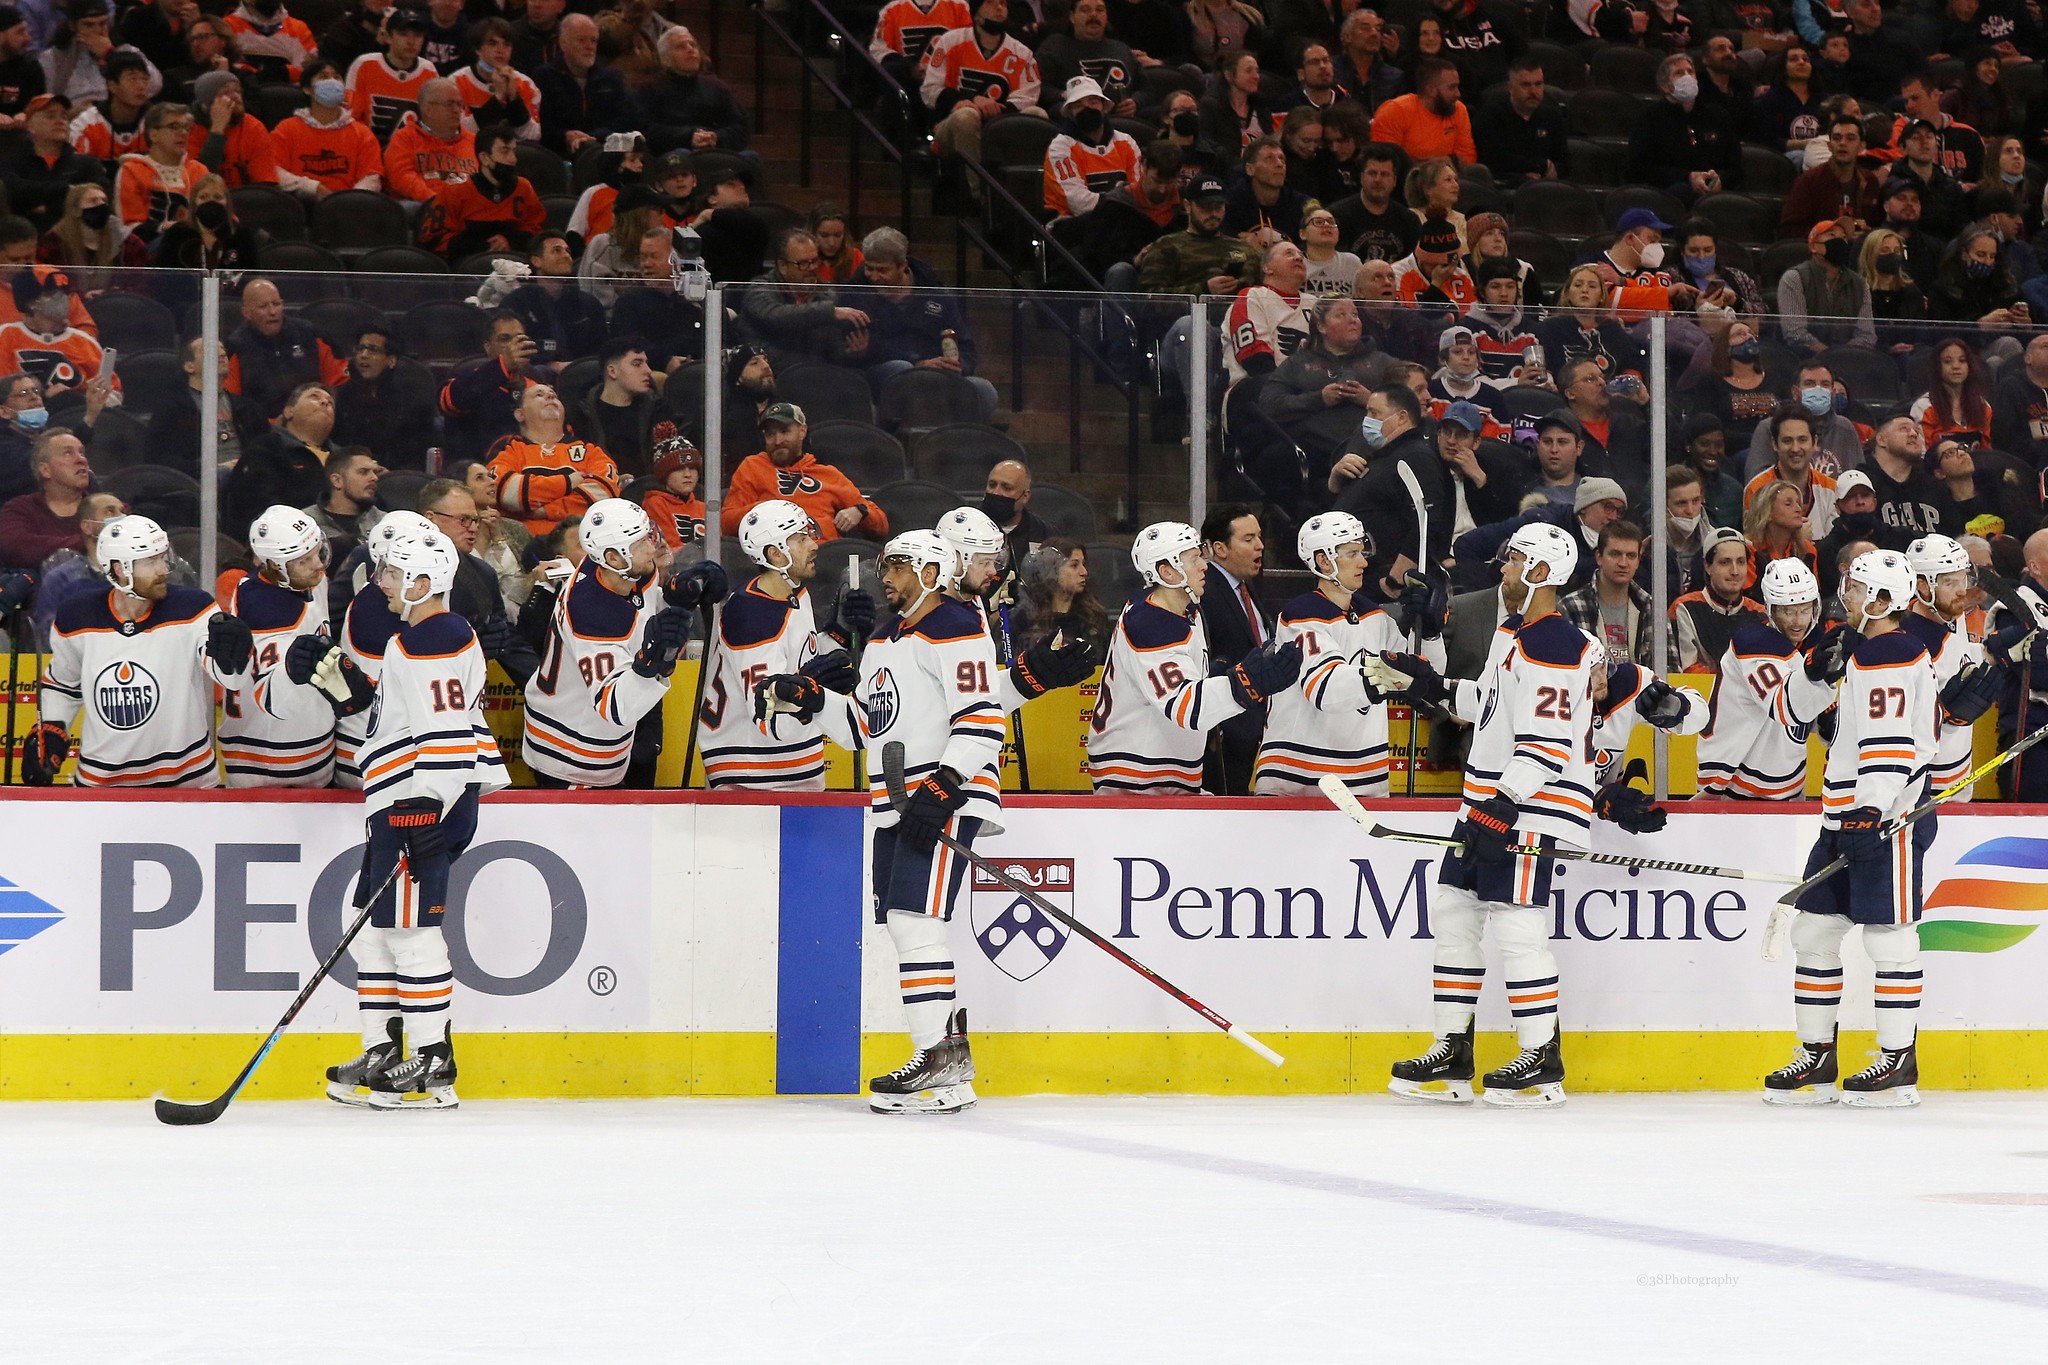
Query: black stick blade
x=186, y=1115
x=892, y=772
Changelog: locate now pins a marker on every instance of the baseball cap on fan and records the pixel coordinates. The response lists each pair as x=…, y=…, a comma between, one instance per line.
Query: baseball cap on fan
x=1208, y=190
x=783, y=415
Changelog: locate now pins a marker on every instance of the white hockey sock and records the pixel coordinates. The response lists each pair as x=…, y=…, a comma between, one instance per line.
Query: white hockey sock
x=1522, y=932
x=426, y=984
x=376, y=985
x=1895, y=952
x=925, y=973
x=1817, y=975
x=1458, y=920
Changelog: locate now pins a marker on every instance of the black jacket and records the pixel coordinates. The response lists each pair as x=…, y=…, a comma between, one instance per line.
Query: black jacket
x=393, y=415
x=1669, y=144
x=596, y=105
x=564, y=326
x=36, y=188
x=910, y=328
x=1380, y=500
x=1513, y=147
x=271, y=367
x=276, y=467
x=674, y=108
x=174, y=432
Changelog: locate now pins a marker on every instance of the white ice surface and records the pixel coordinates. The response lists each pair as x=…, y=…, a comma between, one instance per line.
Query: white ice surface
x=1057, y=1230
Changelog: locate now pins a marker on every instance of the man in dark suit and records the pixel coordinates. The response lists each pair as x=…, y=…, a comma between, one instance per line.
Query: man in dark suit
x=1235, y=625
x=1467, y=638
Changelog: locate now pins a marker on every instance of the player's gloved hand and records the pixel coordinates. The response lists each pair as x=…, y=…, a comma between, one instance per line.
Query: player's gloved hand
x=15, y=591
x=229, y=642
x=2008, y=644
x=1407, y=676
x=661, y=643
x=416, y=823
x=1862, y=832
x=1001, y=590
x=694, y=584
x=304, y=655
x=1053, y=663
x=43, y=752
x=1264, y=672
x=933, y=799
x=1973, y=691
x=496, y=635
x=1488, y=830
x=1828, y=657
x=788, y=694
x=1424, y=607
x=1661, y=705
x=856, y=616
x=1633, y=809
x=834, y=672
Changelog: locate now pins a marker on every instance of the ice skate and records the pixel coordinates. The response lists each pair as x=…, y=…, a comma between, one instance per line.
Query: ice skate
x=1890, y=1082
x=349, y=1083
x=1809, y=1078
x=952, y=1057
x=425, y=1080
x=926, y=1084
x=1442, y=1075
x=1531, y=1080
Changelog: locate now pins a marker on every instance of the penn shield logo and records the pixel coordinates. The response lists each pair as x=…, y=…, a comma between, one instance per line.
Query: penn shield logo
x=1017, y=936
x=882, y=703
x=125, y=694
x=23, y=915
x=1995, y=897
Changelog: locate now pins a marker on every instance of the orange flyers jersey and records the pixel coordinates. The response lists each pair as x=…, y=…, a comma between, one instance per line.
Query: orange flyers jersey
x=81, y=320
x=380, y=95
x=144, y=194
x=94, y=134
x=956, y=62
x=679, y=520
x=65, y=360
x=1077, y=175
x=475, y=95
x=338, y=155
x=534, y=480
x=909, y=28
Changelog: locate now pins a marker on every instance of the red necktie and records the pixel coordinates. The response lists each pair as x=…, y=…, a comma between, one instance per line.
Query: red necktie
x=1251, y=614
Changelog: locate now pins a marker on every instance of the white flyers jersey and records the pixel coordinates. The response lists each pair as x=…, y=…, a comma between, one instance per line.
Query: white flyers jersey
x=585, y=699
x=1886, y=710
x=145, y=687
x=760, y=635
x=1952, y=651
x=427, y=734
x=1616, y=717
x=1532, y=716
x=1753, y=748
x=275, y=732
x=366, y=629
x=1324, y=724
x=931, y=688
x=1155, y=704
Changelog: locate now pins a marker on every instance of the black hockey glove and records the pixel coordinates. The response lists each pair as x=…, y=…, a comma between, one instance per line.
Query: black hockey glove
x=1051, y=664
x=229, y=643
x=314, y=660
x=1973, y=691
x=1488, y=830
x=496, y=634
x=788, y=694
x=834, y=672
x=15, y=591
x=1828, y=658
x=416, y=823
x=694, y=584
x=43, y=752
x=933, y=799
x=1264, y=672
x=661, y=643
x=1408, y=677
x=1862, y=833
x=1661, y=705
x=304, y=655
x=1424, y=607
x=2008, y=644
x=1634, y=810
x=856, y=616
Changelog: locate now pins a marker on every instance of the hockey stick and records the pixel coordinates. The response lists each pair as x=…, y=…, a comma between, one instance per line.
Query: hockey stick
x=13, y=688
x=1779, y=926
x=892, y=766
x=709, y=612
x=1342, y=798
x=185, y=1115
x=1414, y=485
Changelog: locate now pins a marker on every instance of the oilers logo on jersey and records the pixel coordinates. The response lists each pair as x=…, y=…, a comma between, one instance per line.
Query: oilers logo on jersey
x=882, y=704
x=125, y=694
x=1015, y=935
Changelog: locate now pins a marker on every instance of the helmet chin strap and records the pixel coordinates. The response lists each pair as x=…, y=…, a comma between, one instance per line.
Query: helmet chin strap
x=409, y=602
x=788, y=563
x=127, y=588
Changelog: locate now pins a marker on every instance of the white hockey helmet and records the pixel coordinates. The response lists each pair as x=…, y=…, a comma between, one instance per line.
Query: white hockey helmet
x=394, y=528
x=771, y=525
x=1322, y=534
x=1882, y=571
x=1542, y=543
x=431, y=556
x=1789, y=583
x=970, y=532
x=1932, y=556
x=123, y=541
x=614, y=524
x=281, y=535
x=1163, y=542
x=919, y=549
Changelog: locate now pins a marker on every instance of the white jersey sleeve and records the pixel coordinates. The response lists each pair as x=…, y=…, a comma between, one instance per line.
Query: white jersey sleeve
x=427, y=734
x=366, y=629
x=584, y=701
x=275, y=732
x=1325, y=724
x=1885, y=728
x=142, y=691
x=758, y=635
x=1753, y=748
x=1155, y=704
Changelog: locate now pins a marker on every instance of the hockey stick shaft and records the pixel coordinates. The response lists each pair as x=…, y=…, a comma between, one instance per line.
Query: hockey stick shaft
x=892, y=766
x=185, y=1115
x=1414, y=485
x=13, y=689
x=705, y=663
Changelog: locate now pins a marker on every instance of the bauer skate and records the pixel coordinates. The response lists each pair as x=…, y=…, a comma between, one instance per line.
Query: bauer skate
x=349, y=1083
x=934, y=1081
x=1809, y=1078
x=1532, y=1080
x=1443, y=1074
x=425, y=1080
x=1890, y=1082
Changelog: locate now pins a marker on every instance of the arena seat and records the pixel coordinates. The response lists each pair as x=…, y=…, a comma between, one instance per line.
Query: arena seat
x=1558, y=207
x=914, y=505
x=1632, y=70
x=440, y=332
x=1563, y=69
x=1600, y=112
x=133, y=322
x=1066, y=512
x=827, y=393
x=271, y=209
x=918, y=400
x=339, y=320
x=1739, y=216
x=960, y=454
x=861, y=451
x=543, y=169
x=356, y=221
x=151, y=379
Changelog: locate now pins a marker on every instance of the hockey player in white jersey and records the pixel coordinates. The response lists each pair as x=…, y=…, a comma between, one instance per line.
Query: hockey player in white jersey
x=366, y=628
x=766, y=629
x=612, y=644
x=927, y=682
x=1971, y=680
x=1529, y=781
x=1328, y=722
x=140, y=663
x=1752, y=749
x=426, y=760
x=1157, y=702
x=277, y=732
x=1057, y=661
x=1880, y=679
